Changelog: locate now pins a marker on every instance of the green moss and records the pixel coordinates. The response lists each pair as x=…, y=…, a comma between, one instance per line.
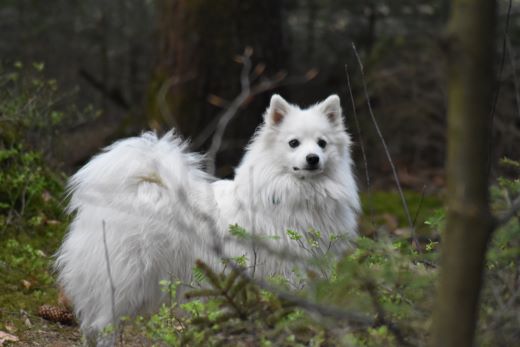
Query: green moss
x=379, y=204
x=32, y=225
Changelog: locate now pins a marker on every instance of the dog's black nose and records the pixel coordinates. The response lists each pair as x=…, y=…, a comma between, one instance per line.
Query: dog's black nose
x=312, y=159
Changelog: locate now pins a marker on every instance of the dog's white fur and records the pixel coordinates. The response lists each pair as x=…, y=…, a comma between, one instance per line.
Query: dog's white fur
x=160, y=212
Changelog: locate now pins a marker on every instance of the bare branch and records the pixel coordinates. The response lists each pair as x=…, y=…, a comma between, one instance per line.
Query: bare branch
x=351, y=317
x=230, y=112
x=114, y=95
x=499, y=82
x=163, y=104
x=361, y=144
x=502, y=60
x=279, y=80
x=512, y=58
x=219, y=125
x=423, y=190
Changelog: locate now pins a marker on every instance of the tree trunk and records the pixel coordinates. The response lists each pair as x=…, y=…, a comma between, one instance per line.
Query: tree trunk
x=470, y=50
x=199, y=40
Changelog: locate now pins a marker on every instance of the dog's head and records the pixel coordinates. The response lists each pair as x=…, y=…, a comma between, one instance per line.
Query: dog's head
x=309, y=141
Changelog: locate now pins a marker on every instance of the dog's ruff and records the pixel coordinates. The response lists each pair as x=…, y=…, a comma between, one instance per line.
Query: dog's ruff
x=159, y=211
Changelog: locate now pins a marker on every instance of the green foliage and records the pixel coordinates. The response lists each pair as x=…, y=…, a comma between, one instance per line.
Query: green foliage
x=379, y=204
x=26, y=258
x=387, y=280
x=33, y=109
x=293, y=235
x=31, y=219
x=378, y=277
x=31, y=226
x=238, y=231
x=25, y=187
x=500, y=304
x=233, y=310
x=437, y=220
x=383, y=278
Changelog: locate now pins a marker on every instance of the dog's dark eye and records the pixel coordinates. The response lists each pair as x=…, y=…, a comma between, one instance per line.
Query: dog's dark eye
x=294, y=143
x=322, y=143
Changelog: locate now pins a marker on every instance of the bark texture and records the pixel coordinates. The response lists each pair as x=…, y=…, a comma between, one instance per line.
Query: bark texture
x=470, y=50
x=198, y=41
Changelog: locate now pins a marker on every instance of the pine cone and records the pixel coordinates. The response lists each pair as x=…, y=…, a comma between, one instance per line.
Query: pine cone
x=56, y=314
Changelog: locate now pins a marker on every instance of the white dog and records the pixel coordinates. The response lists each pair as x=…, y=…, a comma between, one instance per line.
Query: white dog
x=146, y=205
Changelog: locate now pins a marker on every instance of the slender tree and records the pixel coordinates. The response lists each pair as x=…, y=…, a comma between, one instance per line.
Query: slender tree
x=470, y=50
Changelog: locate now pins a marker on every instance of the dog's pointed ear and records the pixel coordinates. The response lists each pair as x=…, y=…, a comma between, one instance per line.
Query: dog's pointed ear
x=278, y=109
x=331, y=107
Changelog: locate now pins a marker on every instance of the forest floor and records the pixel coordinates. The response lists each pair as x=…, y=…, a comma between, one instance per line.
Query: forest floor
x=27, y=280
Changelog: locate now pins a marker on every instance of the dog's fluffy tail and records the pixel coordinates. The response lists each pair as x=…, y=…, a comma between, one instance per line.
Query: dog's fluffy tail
x=135, y=201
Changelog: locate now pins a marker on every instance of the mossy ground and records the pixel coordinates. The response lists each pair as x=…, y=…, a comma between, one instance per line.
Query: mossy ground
x=384, y=209
x=27, y=279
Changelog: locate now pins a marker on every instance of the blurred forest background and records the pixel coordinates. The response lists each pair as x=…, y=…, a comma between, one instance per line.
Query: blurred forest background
x=129, y=65
x=77, y=75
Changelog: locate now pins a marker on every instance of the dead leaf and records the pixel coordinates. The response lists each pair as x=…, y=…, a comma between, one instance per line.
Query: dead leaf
x=10, y=327
x=64, y=300
x=248, y=51
x=259, y=69
x=391, y=221
x=403, y=232
x=26, y=284
x=46, y=196
x=4, y=337
x=311, y=74
x=217, y=101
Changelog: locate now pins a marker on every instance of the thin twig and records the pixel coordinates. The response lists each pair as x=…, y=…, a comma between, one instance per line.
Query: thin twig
x=163, y=104
x=512, y=58
x=387, y=152
x=219, y=125
x=351, y=317
x=109, y=272
x=381, y=316
x=502, y=60
x=499, y=82
x=423, y=190
x=361, y=144
x=114, y=95
x=279, y=80
x=231, y=111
